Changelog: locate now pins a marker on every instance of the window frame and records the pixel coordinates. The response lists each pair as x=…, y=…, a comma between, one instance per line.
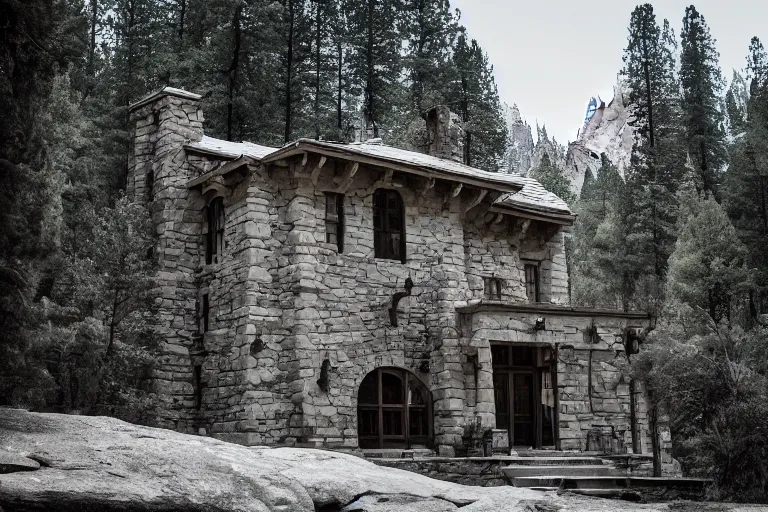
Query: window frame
x=535, y=266
x=384, y=231
x=334, y=218
x=216, y=219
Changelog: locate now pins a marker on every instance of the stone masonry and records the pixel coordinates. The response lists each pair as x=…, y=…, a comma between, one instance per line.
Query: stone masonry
x=285, y=309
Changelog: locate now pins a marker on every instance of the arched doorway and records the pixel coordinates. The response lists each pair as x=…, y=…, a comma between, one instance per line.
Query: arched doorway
x=394, y=410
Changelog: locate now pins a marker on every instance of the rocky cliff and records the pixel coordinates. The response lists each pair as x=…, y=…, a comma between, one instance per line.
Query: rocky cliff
x=522, y=154
x=609, y=132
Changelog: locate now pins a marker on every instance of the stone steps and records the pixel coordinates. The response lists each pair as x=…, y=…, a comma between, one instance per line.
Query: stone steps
x=557, y=461
x=584, y=470
x=604, y=483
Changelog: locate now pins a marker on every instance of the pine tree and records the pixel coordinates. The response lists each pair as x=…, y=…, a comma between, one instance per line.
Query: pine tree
x=430, y=31
x=736, y=99
x=746, y=187
x=701, y=83
x=757, y=65
x=656, y=160
x=553, y=179
x=477, y=100
x=707, y=267
x=375, y=59
x=593, y=283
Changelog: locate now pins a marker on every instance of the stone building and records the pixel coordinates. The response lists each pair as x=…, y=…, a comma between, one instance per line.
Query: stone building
x=359, y=295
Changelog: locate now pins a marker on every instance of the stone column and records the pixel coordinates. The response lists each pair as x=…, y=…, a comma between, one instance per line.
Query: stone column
x=162, y=123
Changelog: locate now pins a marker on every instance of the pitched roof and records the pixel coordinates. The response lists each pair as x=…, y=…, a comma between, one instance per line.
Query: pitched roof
x=228, y=149
x=521, y=193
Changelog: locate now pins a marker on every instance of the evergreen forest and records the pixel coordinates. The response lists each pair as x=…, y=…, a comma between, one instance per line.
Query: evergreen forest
x=681, y=233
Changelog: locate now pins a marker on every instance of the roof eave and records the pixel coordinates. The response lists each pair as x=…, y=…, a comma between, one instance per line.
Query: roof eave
x=542, y=308
x=223, y=170
x=302, y=146
x=534, y=214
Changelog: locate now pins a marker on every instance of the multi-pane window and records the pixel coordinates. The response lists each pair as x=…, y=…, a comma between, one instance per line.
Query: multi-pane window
x=388, y=225
x=214, y=240
x=334, y=220
x=493, y=286
x=532, y=281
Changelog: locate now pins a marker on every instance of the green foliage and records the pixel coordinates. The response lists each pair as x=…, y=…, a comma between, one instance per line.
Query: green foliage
x=598, y=276
x=712, y=380
x=701, y=83
x=476, y=100
x=553, y=179
x=707, y=267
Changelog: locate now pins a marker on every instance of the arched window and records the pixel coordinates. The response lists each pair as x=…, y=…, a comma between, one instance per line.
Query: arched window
x=388, y=225
x=214, y=238
x=393, y=410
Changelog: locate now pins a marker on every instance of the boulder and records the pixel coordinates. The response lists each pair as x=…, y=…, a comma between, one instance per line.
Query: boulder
x=104, y=464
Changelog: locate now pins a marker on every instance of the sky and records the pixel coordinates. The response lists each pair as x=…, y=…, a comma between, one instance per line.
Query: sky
x=551, y=56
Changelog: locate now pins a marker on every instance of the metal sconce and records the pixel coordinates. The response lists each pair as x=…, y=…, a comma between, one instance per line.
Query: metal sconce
x=323, y=381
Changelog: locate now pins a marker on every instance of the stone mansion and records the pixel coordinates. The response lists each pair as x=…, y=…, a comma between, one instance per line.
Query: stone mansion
x=356, y=295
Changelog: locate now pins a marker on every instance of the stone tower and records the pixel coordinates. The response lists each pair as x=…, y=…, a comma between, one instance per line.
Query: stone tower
x=157, y=175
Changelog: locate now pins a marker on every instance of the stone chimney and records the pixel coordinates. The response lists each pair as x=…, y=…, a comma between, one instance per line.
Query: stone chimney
x=161, y=124
x=445, y=136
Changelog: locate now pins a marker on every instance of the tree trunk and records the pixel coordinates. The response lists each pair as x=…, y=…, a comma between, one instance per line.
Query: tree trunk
x=92, y=46
x=653, y=425
x=318, y=41
x=289, y=72
x=647, y=76
x=369, y=87
x=182, y=15
x=233, y=68
x=340, y=50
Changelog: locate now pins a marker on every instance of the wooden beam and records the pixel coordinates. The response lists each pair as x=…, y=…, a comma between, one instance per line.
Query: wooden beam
x=455, y=191
x=408, y=168
x=347, y=177
x=385, y=181
x=428, y=185
x=478, y=197
x=559, y=219
x=316, y=171
x=524, y=228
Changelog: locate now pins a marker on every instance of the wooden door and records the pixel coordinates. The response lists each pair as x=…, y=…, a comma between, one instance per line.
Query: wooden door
x=521, y=376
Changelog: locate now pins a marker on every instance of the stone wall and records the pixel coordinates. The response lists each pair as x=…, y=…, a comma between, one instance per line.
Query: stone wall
x=592, y=373
x=283, y=303
x=161, y=127
x=477, y=471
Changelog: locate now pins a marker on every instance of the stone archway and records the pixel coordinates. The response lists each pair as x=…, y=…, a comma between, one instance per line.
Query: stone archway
x=394, y=410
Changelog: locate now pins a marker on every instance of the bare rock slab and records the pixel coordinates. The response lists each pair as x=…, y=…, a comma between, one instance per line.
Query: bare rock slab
x=13, y=463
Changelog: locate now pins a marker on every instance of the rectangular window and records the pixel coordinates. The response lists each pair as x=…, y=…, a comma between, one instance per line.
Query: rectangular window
x=334, y=220
x=214, y=240
x=206, y=312
x=388, y=225
x=532, y=281
x=493, y=286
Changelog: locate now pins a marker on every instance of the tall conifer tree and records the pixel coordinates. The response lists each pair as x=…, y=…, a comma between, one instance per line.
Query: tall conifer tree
x=701, y=82
x=476, y=100
x=375, y=58
x=656, y=160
